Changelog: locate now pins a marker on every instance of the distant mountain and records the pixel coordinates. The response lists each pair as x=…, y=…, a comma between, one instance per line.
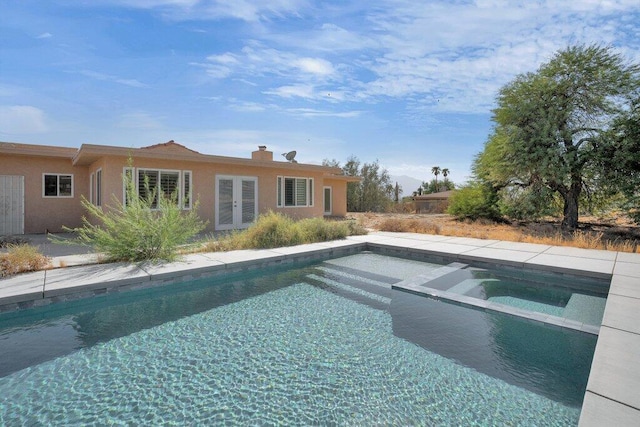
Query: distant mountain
x=408, y=184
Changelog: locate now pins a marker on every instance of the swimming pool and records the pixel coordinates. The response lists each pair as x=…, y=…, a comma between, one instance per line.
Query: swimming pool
x=325, y=343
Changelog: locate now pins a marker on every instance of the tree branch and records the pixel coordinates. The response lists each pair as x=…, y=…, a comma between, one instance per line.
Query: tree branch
x=583, y=140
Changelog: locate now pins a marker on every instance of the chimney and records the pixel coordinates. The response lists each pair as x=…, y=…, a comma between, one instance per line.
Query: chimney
x=262, y=154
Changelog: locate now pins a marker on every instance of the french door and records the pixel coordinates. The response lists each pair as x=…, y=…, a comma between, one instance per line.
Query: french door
x=236, y=201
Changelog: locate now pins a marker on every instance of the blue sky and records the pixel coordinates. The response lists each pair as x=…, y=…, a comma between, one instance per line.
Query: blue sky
x=409, y=83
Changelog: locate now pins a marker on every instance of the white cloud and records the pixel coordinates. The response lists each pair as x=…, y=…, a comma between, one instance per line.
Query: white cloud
x=451, y=56
x=45, y=36
x=257, y=61
x=444, y=55
x=246, y=10
x=327, y=38
x=314, y=66
x=455, y=57
x=249, y=107
x=300, y=91
x=225, y=58
x=22, y=119
x=310, y=112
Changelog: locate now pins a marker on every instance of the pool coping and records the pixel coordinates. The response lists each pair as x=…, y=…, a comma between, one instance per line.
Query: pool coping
x=611, y=394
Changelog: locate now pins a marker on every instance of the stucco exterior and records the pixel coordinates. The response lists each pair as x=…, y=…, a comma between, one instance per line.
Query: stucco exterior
x=106, y=164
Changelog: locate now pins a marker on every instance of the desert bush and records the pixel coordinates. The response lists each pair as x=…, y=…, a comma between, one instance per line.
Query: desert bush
x=321, y=230
x=356, y=228
x=272, y=230
x=21, y=258
x=474, y=201
x=410, y=226
x=145, y=228
x=394, y=225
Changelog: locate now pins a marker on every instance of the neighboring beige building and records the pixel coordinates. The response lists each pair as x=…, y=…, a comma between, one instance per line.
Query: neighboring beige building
x=433, y=202
x=41, y=186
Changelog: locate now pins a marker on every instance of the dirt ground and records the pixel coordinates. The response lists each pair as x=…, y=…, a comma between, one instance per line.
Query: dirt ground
x=595, y=233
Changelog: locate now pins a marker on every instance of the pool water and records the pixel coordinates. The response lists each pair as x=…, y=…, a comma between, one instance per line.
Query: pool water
x=578, y=299
x=329, y=343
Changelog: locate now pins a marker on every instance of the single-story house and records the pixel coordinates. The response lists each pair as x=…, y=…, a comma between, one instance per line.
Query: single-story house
x=433, y=202
x=41, y=186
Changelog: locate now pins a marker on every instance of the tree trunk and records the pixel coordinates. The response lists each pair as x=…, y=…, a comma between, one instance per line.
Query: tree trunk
x=570, y=220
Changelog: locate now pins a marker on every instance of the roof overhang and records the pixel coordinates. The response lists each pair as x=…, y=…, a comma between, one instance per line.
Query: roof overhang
x=16, y=149
x=89, y=153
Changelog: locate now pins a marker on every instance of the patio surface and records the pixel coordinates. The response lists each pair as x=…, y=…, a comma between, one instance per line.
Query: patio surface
x=612, y=395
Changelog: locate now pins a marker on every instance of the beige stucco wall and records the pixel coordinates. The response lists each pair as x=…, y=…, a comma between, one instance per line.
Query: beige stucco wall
x=339, y=195
x=49, y=214
x=44, y=214
x=204, y=180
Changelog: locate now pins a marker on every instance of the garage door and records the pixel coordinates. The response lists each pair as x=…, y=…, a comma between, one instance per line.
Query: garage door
x=11, y=205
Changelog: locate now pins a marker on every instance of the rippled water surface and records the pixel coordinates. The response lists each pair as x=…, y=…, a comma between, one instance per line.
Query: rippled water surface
x=286, y=348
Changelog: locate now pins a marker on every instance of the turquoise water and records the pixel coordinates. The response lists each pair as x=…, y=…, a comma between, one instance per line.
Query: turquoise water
x=297, y=347
x=574, y=298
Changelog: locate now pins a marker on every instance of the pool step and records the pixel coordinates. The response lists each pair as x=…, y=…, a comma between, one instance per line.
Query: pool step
x=353, y=277
x=585, y=308
x=529, y=305
x=468, y=284
x=424, y=279
x=361, y=289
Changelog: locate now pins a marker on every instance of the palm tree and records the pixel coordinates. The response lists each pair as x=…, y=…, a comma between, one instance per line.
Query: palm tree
x=445, y=174
x=436, y=171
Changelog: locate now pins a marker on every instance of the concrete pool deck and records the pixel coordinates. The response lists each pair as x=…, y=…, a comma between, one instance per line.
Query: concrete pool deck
x=612, y=395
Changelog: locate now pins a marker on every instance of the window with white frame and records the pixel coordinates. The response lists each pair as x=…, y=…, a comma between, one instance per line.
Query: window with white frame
x=57, y=185
x=169, y=183
x=294, y=192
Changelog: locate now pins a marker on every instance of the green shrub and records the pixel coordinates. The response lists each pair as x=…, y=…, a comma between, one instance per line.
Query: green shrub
x=473, y=201
x=274, y=230
x=22, y=258
x=321, y=230
x=146, y=228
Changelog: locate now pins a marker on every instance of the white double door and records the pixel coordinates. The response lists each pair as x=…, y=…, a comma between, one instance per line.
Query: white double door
x=236, y=201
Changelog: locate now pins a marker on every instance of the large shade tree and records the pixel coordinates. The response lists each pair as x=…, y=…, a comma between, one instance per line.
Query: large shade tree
x=552, y=126
x=375, y=191
x=620, y=162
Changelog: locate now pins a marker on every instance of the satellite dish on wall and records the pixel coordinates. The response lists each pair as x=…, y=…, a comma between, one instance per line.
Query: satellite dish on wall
x=290, y=156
